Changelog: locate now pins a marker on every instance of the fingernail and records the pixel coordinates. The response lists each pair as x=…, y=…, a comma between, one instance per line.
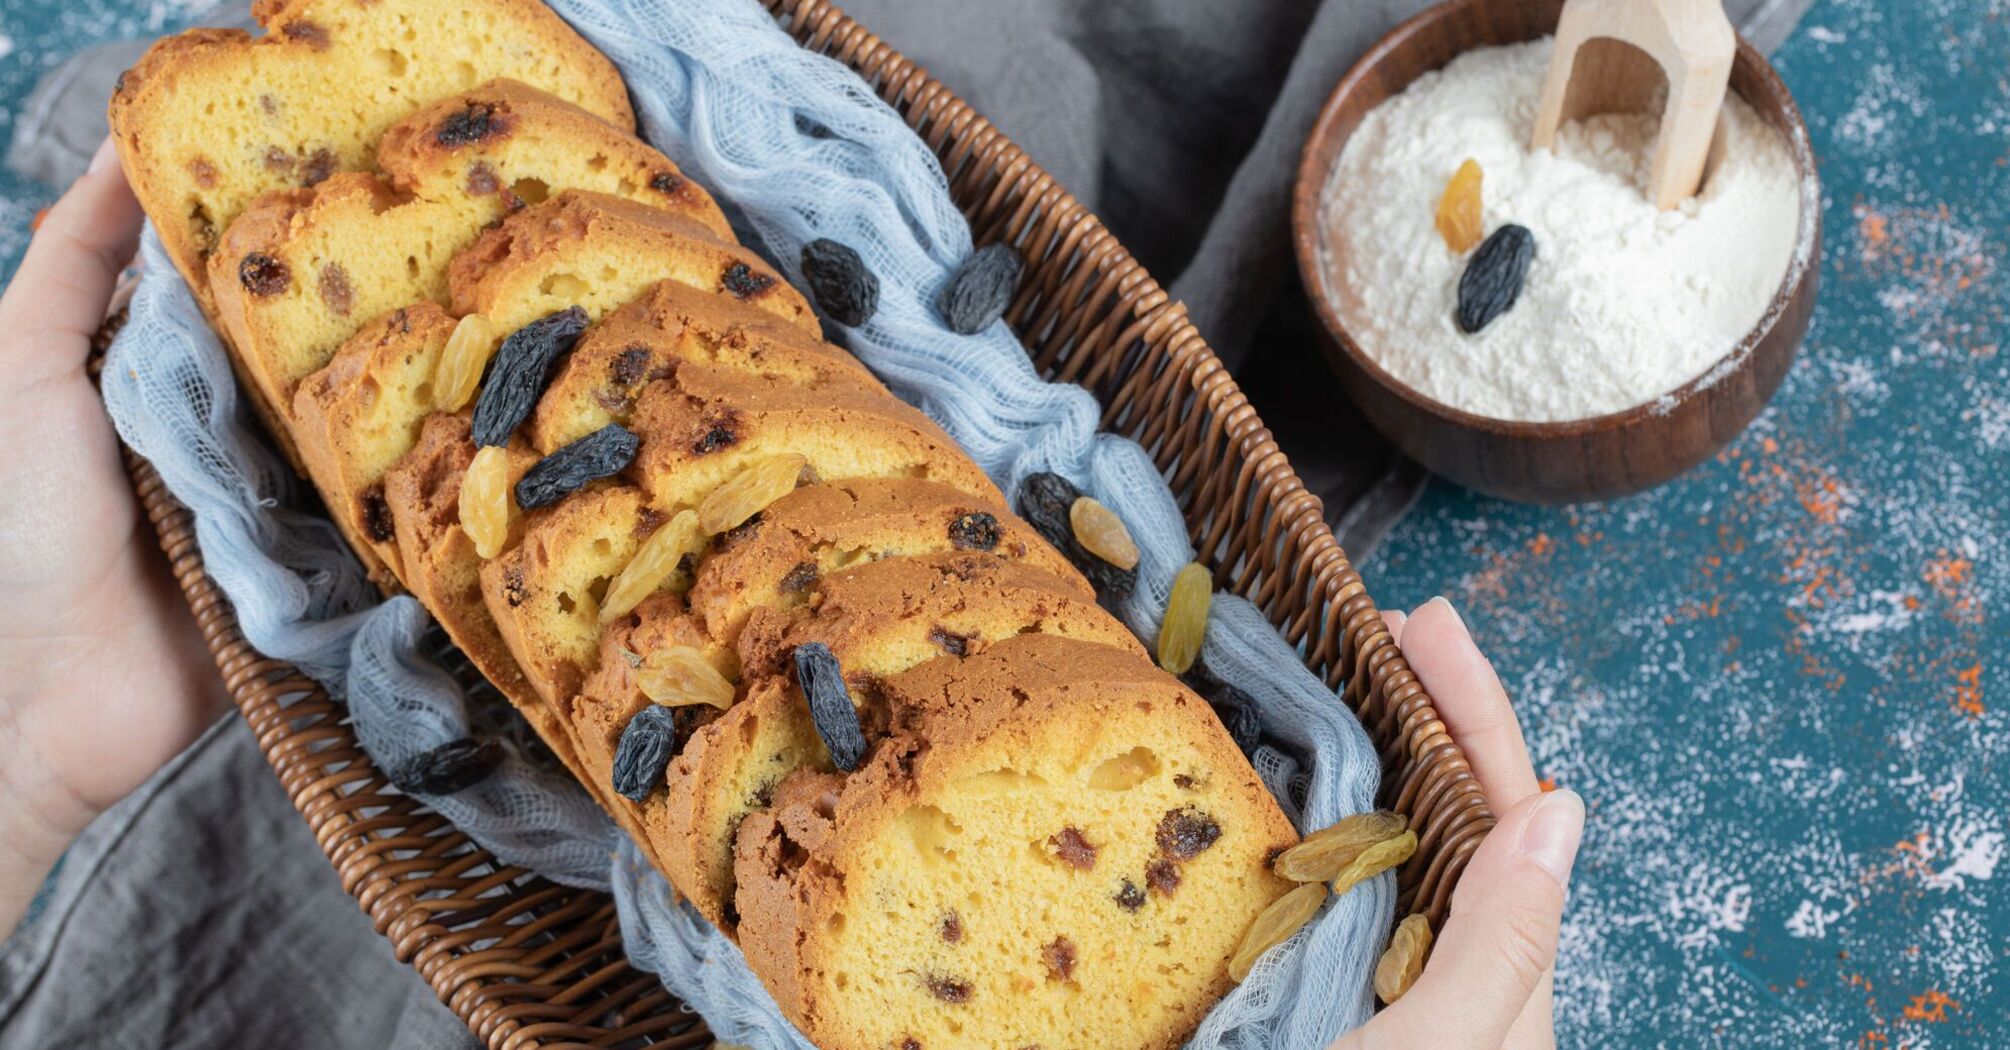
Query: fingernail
x=1552, y=833
x=108, y=153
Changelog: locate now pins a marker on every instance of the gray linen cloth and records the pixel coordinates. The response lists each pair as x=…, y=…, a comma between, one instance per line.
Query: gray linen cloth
x=199, y=912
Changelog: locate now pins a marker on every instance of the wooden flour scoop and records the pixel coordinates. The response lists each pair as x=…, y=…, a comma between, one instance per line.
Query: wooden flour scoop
x=1606, y=56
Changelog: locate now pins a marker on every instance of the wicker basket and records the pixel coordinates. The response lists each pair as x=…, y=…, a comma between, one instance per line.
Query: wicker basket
x=528, y=963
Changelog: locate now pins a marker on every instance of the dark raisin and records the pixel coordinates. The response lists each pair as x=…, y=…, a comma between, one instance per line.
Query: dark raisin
x=977, y=531
x=1059, y=955
x=844, y=289
x=1244, y=724
x=717, y=436
x=1129, y=896
x=377, y=521
x=520, y=371
x=1184, y=782
x=453, y=766
x=799, y=578
x=949, y=989
x=1073, y=849
x=603, y=453
x=482, y=179
x=688, y=564
x=644, y=752
x=336, y=290
x=319, y=165
x=309, y=33
x=1044, y=501
x=1163, y=875
x=910, y=1043
x=952, y=928
x=514, y=591
x=949, y=641
x=666, y=182
x=688, y=719
x=1494, y=275
x=741, y=280
x=470, y=125
x=630, y=365
x=836, y=719
x=981, y=289
x=732, y=537
x=263, y=275
x=1186, y=832
x=278, y=161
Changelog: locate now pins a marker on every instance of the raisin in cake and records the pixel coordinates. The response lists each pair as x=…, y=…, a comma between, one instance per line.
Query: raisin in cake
x=1058, y=845
x=210, y=119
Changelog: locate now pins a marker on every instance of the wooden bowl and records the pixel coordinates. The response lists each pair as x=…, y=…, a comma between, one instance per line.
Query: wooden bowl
x=1603, y=456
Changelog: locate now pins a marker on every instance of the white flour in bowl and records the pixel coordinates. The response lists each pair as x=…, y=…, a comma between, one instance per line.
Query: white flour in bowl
x=1623, y=303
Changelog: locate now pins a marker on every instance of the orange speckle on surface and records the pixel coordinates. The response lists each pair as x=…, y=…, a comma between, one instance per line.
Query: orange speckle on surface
x=1541, y=544
x=1930, y=1006
x=1546, y=783
x=1875, y=229
x=36, y=222
x=1872, y=1038
x=1800, y=982
x=1771, y=446
x=1968, y=691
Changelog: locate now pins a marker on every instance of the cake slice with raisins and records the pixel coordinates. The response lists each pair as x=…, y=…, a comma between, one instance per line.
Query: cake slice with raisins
x=209, y=119
x=1058, y=845
x=300, y=271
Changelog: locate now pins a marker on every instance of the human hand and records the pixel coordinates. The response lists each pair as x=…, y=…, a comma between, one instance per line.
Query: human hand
x=1490, y=978
x=103, y=676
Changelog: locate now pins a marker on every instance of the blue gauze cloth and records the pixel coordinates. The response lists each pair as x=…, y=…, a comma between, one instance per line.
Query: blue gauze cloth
x=801, y=148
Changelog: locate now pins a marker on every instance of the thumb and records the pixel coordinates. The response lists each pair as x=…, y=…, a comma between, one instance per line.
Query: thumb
x=1500, y=939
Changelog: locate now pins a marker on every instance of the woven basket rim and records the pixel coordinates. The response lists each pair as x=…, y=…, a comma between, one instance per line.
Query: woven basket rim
x=528, y=963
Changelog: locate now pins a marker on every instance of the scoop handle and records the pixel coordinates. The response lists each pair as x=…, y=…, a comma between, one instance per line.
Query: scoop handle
x=1607, y=53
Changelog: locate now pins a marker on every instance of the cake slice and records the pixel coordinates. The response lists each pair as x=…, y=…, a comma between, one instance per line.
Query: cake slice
x=209, y=119
x=879, y=618
x=821, y=529
x=1058, y=846
x=599, y=251
x=673, y=324
x=357, y=417
x=300, y=271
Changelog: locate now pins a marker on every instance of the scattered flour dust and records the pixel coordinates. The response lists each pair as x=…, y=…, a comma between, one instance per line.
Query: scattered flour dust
x=1623, y=304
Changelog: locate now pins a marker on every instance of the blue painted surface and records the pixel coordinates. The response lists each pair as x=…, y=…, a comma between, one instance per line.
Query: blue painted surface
x=1780, y=681
x=1775, y=679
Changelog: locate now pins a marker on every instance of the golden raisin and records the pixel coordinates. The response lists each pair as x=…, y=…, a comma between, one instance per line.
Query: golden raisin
x=653, y=565
x=680, y=676
x=486, y=503
x=1409, y=948
x=1459, y=221
x=1186, y=618
x=459, y=372
x=1375, y=860
x=1325, y=852
x=1275, y=926
x=750, y=491
x=1102, y=533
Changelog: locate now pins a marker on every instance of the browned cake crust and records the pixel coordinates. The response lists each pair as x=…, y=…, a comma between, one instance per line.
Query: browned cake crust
x=599, y=251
